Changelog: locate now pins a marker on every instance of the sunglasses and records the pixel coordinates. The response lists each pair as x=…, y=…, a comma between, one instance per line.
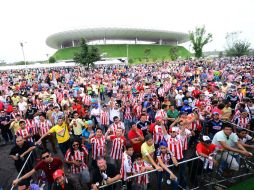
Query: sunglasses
x=43, y=158
x=75, y=145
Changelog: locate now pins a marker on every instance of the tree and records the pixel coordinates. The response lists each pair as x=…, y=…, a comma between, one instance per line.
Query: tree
x=199, y=39
x=87, y=56
x=235, y=46
x=147, y=52
x=173, y=53
x=52, y=60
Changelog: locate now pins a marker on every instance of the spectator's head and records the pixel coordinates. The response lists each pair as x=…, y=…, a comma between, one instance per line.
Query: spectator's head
x=129, y=149
x=58, y=176
x=75, y=114
x=46, y=156
x=172, y=107
x=101, y=163
x=133, y=126
x=206, y=140
x=99, y=132
x=119, y=132
x=143, y=117
x=241, y=132
x=244, y=114
x=22, y=124
x=163, y=146
x=60, y=121
x=215, y=115
x=75, y=145
x=138, y=158
x=158, y=120
x=116, y=119
x=19, y=141
x=185, y=102
x=164, y=106
x=227, y=128
x=173, y=132
x=24, y=185
x=149, y=139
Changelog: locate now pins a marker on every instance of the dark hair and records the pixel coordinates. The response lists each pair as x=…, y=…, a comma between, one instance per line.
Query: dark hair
x=137, y=155
x=100, y=158
x=163, y=106
x=227, y=125
x=44, y=151
x=22, y=121
x=128, y=145
x=72, y=149
x=98, y=128
x=115, y=117
x=148, y=137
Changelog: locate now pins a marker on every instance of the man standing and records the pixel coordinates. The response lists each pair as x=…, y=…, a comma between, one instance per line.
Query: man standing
x=48, y=164
x=5, y=122
x=143, y=124
x=104, y=174
x=136, y=137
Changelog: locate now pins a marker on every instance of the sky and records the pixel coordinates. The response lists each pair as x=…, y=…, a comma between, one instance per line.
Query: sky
x=32, y=21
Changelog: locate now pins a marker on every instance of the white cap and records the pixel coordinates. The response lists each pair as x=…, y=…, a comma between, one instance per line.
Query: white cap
x=206, y=138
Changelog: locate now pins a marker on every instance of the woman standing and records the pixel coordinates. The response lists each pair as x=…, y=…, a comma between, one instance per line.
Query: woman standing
x=77, y=156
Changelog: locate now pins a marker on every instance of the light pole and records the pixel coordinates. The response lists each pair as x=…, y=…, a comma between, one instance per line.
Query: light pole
x=22, y=47
x=127, y=51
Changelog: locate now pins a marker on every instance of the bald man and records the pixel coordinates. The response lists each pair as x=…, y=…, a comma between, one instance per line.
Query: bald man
x=20, y=152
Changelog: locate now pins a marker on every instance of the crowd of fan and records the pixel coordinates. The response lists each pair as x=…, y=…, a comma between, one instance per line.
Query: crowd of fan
x=112, y=122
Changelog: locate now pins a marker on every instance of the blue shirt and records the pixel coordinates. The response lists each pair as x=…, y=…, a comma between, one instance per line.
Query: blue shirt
x=86, y=134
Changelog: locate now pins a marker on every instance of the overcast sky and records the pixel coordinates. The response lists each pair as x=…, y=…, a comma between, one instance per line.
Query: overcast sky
x=32, y=21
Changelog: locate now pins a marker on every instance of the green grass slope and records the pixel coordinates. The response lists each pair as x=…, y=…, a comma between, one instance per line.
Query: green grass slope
x=135, y=51
x=245, y=185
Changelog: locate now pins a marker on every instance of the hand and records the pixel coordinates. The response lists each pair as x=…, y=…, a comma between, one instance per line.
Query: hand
x=143, y=169
x=158, y=168
x=173, y=177
x=109, y=180
x=38, y=142
x=15, y=182
x=246, y=153
x=77, y=163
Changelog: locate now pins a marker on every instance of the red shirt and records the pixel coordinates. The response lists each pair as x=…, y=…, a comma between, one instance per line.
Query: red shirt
x=201, y=148
x=49, y=168
x=132, y=135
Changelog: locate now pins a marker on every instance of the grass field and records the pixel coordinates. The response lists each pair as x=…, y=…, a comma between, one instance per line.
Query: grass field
x=135, y=51
x=245, y=185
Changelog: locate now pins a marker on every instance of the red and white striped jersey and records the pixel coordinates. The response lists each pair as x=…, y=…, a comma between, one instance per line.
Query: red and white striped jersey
x=13, y=114
x=175, y=145
x=196, y=125
x=161, y=113
x=157, y=134
x=104, y=117
x=161, y=92
x=242, y=122
x=113, y=127
x=126, y=166
x=220, y=94
x=165, y=157
x=138, y=111
x=32, y=125
x=98, y=147
x=127, y=113
x=87, y=100
x=136, y=169
x=240, y=95
x=24, y=133
x=44, y=126
x=117, y=147
x=78, y=155
x=41, y=107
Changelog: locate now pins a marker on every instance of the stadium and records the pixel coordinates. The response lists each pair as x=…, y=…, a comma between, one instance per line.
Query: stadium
x=120, y=43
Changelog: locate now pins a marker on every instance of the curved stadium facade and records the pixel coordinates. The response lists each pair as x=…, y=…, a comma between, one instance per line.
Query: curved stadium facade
x=71, y=38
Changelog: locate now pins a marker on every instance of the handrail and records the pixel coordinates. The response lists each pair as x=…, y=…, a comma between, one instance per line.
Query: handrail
x=23, y=167
x=151, y=171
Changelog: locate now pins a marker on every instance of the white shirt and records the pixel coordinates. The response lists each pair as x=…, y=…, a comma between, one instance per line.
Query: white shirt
x=114, y=112
x=179, y=99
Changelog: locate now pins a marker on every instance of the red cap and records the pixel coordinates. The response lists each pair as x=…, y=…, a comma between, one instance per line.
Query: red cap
x=58, y=173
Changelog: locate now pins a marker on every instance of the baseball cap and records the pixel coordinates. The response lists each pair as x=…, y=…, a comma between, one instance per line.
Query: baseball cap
x=216, y=113
x=180, y=91
x=163, y=143
x=58, y=173
x=185, y=101
x=206, y=139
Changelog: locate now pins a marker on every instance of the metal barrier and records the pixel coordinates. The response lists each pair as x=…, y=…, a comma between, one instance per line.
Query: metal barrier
x=200, y=175
x=23, y=167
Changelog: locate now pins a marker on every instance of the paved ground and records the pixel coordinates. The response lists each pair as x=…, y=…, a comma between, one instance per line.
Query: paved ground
x=7, y=168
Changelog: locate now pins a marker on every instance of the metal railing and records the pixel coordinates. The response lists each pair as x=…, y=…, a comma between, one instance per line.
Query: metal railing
x=199, y=176
x=23, y=167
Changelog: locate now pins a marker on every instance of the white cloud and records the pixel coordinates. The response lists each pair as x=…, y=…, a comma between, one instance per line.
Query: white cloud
x=32, y=21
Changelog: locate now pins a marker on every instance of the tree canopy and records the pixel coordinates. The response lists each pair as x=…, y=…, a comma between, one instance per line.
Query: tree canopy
x=199, y=39
x=87, y=55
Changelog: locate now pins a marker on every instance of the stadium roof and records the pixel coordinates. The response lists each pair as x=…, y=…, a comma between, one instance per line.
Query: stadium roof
x=71, y=37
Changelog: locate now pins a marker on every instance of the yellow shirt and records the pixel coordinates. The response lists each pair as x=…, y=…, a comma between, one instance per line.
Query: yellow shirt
x=15, y=126
x=226, y=113
x=77, y=129
x=62, y=132
x=145, y=150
